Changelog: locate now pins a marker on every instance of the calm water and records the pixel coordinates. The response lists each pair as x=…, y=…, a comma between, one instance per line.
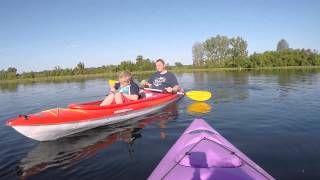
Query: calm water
x=272, y=116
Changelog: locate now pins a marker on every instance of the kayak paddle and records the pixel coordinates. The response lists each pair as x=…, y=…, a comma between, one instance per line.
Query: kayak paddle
x=194, y=95
x=199, y=95
x=112, y=82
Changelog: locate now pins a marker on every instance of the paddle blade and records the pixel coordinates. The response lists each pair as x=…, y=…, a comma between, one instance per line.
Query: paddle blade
x=112, y=82
x=199, y=95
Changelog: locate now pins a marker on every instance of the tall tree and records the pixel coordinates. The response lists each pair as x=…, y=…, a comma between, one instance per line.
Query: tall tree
x=198, y=53
x=139, y=59
x=57, y=68
x=282, y=45
x=178, y=64
x=11, y=73
x=80, y=66
x=12, y=70
x=143, y=64
x=217, y=50
x=238, y=49
x=126, y=66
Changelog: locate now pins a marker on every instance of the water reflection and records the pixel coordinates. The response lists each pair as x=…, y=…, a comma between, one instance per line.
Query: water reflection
x=291, y=121
x=82, y=84
x=162, y=119
x=229, y=85
x=288, y=80
x=69, y=151
x=199, y=108
x=200, y=77
x=225, y=83
x=13, y=86
x=10, y=87
x=289, y=76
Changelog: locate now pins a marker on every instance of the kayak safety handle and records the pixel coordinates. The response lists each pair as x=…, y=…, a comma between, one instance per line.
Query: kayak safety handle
x=23, y=115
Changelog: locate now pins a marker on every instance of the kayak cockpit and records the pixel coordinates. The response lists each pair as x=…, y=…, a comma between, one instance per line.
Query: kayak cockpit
x=95, y=105
x=206, y=154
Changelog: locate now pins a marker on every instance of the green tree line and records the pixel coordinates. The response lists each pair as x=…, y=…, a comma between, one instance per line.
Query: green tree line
x=221, y=51
x=215, y=52
x=140, y=64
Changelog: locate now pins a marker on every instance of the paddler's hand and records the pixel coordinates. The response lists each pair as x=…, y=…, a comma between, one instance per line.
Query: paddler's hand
x=172, y=90
x=113, y=89
x=145, y=83
x=169, y=89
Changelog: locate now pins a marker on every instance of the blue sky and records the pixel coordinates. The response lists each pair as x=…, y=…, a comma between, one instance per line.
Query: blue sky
x=40, y=34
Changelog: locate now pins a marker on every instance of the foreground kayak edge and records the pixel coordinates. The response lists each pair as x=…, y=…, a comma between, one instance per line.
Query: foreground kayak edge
x=202, y=153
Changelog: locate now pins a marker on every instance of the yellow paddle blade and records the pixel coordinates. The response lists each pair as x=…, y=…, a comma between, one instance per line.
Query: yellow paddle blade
x=199, y=95
x=199, y=107
x=112, y=82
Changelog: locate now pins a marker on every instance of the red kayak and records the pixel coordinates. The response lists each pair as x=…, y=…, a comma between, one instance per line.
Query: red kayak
x=56, y=123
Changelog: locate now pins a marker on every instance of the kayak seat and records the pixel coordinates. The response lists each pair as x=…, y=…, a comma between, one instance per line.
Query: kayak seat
x=143, y=94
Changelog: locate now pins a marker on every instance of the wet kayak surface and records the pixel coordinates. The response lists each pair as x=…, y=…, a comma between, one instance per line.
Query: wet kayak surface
x=272, y=116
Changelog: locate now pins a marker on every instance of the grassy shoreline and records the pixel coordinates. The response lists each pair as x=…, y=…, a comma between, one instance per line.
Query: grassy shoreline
x=113, y=75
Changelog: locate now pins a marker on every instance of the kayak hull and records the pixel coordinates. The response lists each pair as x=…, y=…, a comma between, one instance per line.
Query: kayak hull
x=52, y=131
x=202, y=153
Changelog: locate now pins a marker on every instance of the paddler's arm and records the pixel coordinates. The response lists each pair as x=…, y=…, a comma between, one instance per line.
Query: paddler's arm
x=112, y=90
x=175, y=89
x=145, y=83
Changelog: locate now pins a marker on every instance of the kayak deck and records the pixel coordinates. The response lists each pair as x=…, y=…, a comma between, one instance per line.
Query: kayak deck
x=202, y=153
x=75, y=113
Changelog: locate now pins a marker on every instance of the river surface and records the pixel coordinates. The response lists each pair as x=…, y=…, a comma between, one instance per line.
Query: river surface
x=273, y=116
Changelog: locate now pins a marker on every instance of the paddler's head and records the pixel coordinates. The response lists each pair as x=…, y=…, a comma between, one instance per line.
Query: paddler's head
x=124, y=78
x=160, y=66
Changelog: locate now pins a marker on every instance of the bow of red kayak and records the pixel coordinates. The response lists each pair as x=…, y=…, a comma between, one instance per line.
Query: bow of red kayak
x=202, y=153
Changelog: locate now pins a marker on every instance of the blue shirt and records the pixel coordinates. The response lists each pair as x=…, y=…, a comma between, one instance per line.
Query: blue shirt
x=162, y=81
x=130, y=89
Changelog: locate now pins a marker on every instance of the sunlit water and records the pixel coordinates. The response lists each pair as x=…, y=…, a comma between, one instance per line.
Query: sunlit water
x=272, y=116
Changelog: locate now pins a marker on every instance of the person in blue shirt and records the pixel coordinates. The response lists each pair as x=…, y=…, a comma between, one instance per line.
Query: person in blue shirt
x=162, y=79
x=124, y=91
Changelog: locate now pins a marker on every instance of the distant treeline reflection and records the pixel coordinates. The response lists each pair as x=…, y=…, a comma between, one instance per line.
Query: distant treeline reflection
x=218, y=78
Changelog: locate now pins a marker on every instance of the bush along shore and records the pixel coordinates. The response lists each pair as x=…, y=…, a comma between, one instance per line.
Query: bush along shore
x=215, y=53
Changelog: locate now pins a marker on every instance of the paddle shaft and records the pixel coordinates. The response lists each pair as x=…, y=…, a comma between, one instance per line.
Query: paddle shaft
x=158, y=90
x=194, y=95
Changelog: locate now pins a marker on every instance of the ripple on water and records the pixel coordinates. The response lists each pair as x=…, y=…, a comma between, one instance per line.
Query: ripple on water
x=273, y=117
